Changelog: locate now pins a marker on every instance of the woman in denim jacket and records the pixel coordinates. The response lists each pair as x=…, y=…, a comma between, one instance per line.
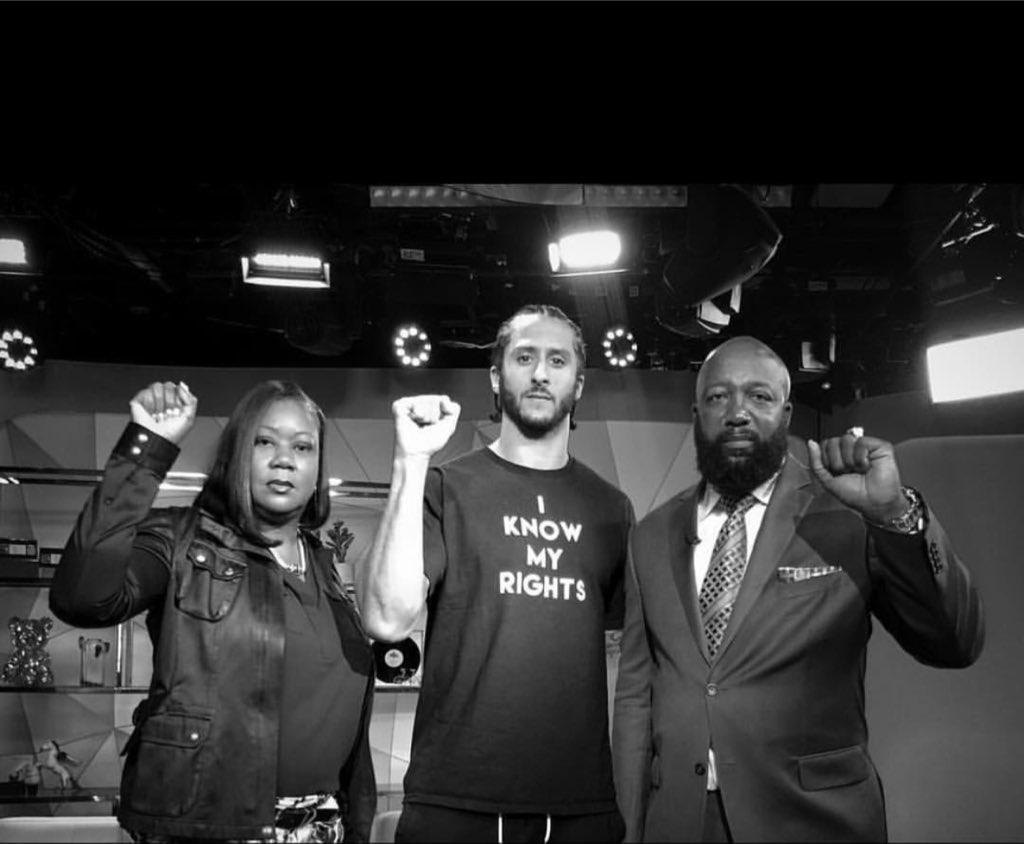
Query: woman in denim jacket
x=255, y=726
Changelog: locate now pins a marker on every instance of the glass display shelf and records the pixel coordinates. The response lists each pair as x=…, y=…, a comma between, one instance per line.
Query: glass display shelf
x=82, y=794
x=75, y=690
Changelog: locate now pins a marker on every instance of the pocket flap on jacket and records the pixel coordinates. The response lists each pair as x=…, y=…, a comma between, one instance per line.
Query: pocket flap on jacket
x=833, y=769
x=176, y=728
x=219, y=562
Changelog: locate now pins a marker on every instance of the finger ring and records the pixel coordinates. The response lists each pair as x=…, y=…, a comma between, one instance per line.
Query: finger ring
x=856, y=430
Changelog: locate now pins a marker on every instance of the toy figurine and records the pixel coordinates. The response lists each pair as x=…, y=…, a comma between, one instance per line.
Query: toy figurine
x=94, y=661
x=28, y=774
x=55, y=761
x=29, y=664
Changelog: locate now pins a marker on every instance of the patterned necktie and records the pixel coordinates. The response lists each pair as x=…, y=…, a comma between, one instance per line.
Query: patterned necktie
x=725, y=573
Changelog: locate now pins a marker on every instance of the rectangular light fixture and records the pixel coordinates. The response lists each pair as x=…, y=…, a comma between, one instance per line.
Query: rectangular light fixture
x=977, y=366
x=280, y=269
x=586, y=253
x=12, y=254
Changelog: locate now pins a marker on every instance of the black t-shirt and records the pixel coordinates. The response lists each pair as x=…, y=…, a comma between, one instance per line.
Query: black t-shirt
x=526, y=572
x=321, y=696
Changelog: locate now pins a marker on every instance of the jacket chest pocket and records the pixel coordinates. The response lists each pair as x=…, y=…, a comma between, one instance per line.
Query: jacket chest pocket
x=209, y=582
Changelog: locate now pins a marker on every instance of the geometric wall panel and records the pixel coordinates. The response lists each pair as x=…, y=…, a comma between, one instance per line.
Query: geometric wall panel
x=15, y=739
x=109, y=427
x=199, y=447
x=15, y=518
x=65, y=438
x=681, y=472
x=484, y=433
x=645, y=452
x=52, y=510
x=368, y=449
x=590, y=444
x=61, y=717
x=5, y=444
x=28, y=451
x=343, y=458
x=459, y=443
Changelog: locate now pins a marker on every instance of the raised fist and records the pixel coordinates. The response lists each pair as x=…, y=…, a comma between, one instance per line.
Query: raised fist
x=165, y=408
x=423, y=424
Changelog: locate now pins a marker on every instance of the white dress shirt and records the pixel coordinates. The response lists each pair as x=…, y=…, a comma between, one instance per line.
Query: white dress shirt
x=710, y=520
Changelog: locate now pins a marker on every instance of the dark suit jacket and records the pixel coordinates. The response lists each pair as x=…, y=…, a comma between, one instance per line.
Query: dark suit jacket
x=783, y=701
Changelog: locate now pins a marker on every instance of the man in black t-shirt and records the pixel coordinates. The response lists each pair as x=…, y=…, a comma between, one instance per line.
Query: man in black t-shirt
x=517, y=551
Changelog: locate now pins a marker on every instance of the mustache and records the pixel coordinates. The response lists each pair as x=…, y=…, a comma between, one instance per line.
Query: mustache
x=736, y=436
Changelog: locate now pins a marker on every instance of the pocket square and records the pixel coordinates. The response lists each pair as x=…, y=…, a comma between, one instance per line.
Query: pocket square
x=792, y=574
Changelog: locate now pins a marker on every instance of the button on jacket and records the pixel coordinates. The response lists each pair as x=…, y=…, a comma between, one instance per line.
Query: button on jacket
x=202, y=760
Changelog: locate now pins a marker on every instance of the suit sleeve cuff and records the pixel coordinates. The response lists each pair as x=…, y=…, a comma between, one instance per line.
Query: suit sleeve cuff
x=146, y=448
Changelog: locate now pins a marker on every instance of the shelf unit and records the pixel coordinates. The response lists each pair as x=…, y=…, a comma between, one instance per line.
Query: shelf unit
x=123, y=649
x=60, y=795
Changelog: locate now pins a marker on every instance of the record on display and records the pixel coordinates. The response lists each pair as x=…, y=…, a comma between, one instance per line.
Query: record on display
x=397, y=662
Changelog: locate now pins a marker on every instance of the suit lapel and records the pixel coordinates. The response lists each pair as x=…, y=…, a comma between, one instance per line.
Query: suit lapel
x=681, y=542
x=793, y=492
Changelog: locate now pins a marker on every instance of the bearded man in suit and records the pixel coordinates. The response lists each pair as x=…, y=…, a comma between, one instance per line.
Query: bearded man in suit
x=739, y=708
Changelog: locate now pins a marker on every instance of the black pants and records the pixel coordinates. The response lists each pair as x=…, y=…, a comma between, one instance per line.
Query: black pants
x=422, y=822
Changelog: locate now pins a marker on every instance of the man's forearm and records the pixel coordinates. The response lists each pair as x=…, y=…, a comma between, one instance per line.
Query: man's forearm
x=391, y=587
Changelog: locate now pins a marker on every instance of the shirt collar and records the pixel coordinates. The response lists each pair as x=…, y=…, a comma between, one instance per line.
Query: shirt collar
x=762, y=493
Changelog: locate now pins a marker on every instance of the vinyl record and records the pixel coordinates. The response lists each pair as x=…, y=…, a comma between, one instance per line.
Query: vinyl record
x=397, y=662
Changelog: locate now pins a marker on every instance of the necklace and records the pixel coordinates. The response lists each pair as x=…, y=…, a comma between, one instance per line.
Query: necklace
x=300, y=569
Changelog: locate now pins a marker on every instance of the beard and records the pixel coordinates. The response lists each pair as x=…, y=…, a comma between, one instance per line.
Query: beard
x=739, y=474
x=537, y=427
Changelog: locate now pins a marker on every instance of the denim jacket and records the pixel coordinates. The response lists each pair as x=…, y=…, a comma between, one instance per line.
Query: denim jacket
x=202, y=759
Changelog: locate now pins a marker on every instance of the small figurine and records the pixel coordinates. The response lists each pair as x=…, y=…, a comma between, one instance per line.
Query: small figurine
x=55, y=761
x=94, y=663
x=28, y=774
x=29, y=664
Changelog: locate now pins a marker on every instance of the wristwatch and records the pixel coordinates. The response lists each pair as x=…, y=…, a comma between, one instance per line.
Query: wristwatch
x=910, y=520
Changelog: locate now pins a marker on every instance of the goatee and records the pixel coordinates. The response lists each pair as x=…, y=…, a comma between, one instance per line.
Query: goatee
x=532, y=429
x=738, y=475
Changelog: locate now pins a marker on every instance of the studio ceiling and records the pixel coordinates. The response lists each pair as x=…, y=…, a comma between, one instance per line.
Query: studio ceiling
x=149, y=272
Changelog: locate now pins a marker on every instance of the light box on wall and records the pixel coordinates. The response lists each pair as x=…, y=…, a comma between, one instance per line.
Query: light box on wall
x=975, y=367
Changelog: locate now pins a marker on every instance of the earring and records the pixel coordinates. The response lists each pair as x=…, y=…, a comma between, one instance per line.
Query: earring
x=495, y=415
